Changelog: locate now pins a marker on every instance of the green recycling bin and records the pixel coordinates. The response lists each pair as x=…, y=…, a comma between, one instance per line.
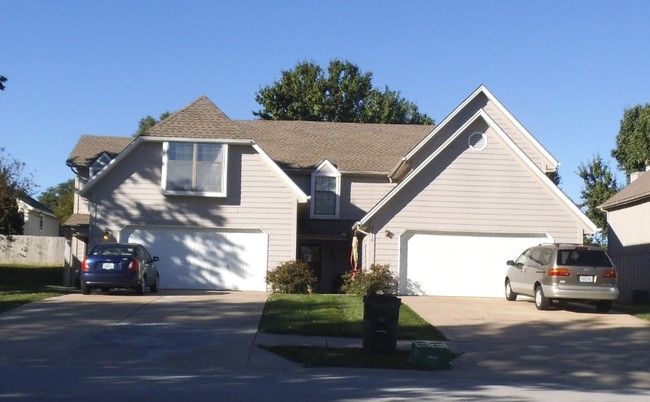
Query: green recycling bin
x=380, y=319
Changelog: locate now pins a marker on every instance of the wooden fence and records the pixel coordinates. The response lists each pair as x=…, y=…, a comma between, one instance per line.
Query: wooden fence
x=32, y=250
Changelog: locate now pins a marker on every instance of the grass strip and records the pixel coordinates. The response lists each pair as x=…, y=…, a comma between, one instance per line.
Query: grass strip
x=335, y=316
x=24, y=284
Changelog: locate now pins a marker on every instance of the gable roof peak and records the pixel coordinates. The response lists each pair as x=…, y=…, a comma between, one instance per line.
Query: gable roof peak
x=199, y=119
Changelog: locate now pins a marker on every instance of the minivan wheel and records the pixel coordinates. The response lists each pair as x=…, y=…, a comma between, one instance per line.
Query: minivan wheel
x=510, y=295
x=603, y=306
x=541, y=302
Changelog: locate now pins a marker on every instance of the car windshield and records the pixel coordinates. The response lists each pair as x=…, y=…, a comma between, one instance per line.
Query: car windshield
x=113, y=249
x=594, y=258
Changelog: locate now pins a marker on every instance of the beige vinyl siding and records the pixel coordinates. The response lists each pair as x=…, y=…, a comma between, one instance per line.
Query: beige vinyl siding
x=518, y=137
x=256, y=198
x=446, y=131
x=465, y=190
x=629, y=248
x=359, y=194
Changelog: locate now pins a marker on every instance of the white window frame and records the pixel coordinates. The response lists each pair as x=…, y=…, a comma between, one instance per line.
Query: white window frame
x=199, y=193
x=326, y=169
x=99, y=164
x=483, y=142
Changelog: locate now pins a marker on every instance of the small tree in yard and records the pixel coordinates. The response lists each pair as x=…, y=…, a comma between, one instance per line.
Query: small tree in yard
x=292, y=277
x=378, y=279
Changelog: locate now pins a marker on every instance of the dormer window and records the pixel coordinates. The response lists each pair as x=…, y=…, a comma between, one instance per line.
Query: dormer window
x=325, y=192
x=194, y=169
x=99, y=164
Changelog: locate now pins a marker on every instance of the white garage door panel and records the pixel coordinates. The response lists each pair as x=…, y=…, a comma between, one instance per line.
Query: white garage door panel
x=462, y=265
x=206, y=259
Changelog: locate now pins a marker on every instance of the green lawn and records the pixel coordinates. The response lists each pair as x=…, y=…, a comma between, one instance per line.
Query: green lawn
x=20, y=285
x=638, y=310
x=334, y=315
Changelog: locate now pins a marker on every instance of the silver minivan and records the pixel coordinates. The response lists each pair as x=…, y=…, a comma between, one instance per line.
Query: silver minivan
x=561, y=273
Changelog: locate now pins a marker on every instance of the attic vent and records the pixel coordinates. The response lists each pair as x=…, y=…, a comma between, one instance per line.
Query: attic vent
x=477, y=141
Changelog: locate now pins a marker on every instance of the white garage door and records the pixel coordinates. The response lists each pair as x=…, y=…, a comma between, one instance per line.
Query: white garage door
x=205, y=259
x=466, y=264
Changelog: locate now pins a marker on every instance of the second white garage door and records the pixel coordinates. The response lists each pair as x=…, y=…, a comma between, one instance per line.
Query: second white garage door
x=463, y=264
x=209, y=259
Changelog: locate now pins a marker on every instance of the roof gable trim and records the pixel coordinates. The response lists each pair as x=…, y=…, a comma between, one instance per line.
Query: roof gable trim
x=480, y=114
x=302, y=197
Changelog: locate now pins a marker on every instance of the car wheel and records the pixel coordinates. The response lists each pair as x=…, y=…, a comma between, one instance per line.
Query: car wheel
x=541, y=302
x=510, y=295
x=603, y=306
x=85, y=289
x=141, y=286
x=156, y=285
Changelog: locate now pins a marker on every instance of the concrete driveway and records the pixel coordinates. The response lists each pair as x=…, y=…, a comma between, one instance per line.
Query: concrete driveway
x=573, y=346
x=201, y=346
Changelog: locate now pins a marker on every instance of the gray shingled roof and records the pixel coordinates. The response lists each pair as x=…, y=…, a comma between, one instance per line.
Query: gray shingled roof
x=90, y=147
x=77, y=220
x=352, y=147
x=199, y=119
x=638, y=190
x=35, y=204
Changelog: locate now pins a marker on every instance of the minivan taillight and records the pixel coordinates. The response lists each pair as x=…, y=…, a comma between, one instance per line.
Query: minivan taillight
x=610, y=274
x=559, y=272
x=84, y=265
x=134, y=265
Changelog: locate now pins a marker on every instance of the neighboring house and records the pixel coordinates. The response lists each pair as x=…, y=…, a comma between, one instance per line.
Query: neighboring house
x=628, y=237
x=39, y=219
x=221, y=202
x=92, y=154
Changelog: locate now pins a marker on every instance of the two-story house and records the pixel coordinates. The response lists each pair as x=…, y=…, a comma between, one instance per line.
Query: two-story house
x=223, y=201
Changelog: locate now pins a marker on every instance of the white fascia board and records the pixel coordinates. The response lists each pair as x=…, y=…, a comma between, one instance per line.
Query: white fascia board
x=443, y=123
x=531, y=165
x=480, y=114
x=519, y=126
x=483, y=89
x=416, y=171
x=99, y=175
x=143, y=138
x=302, y=197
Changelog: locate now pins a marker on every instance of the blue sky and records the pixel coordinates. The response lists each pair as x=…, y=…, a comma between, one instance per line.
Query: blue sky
x=565, y=69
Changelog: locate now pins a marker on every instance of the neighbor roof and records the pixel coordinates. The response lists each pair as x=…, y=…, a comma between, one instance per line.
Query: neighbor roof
x=636, y=191
x=90, y=147
x=35, y=205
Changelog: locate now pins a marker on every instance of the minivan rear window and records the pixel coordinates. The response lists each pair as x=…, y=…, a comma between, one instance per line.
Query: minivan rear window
x=594, y=258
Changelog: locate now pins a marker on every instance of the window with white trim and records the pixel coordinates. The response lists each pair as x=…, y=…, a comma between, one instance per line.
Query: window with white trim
x=477, y=141
x=325, y=192
x=99, y=164
x=194, y=169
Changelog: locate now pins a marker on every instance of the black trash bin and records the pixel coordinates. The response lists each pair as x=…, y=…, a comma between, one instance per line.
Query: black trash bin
x=380, y=319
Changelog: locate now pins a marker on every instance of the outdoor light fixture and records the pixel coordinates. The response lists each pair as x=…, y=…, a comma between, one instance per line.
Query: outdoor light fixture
x=107, y=235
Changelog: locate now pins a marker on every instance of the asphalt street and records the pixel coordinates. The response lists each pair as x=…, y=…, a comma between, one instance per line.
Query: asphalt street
x=202, y=346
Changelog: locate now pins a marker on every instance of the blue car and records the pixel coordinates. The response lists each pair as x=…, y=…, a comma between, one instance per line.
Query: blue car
x=119, y=265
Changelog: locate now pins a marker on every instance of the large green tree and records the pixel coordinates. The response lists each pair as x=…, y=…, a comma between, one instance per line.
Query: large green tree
x=599, y=184
x=341, y=94
x=60, y=199
x=13, y=182
x=633, y=140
